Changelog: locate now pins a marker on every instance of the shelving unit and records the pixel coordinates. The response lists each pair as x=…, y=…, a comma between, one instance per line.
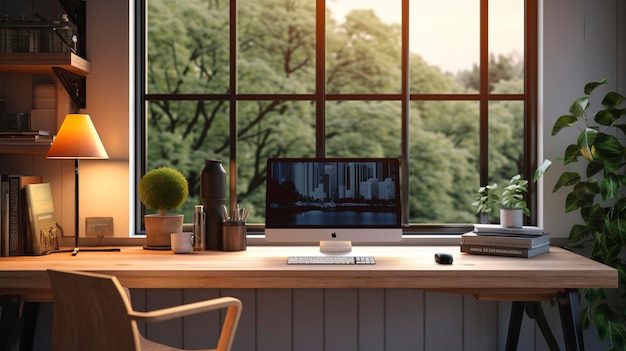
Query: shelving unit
x=69, y=68
x=24, y=148
x=42, y=63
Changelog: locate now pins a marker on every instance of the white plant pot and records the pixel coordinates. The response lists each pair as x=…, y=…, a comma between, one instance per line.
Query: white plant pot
x=511, y=218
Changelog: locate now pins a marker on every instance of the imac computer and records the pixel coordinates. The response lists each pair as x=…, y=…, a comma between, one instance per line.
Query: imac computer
x=333, y=201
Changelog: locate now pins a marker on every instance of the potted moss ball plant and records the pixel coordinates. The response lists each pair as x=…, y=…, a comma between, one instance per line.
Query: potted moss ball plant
x=162, y=189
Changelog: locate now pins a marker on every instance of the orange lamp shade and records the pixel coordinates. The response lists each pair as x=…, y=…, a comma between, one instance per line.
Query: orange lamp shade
x=77, y=139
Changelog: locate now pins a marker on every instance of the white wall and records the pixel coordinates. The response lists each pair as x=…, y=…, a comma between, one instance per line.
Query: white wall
x=105, y=184
x=581, y=43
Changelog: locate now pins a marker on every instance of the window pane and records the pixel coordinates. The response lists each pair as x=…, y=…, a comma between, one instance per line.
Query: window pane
x=506, y=44
x=363, y=129
x=363, y=46
x=269, y=129
x=444, y=156
x=276, y=46
x=187, y=45
x=182, y=134
x=506, y=140
x=444, y=37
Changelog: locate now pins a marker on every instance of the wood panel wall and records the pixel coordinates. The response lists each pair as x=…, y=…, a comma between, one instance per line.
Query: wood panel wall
x=346, y=320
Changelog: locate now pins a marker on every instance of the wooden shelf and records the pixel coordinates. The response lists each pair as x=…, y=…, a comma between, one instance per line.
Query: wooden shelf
x=42, y=63
x=24, y=148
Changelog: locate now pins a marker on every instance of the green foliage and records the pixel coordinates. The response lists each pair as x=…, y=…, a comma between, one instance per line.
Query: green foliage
x=487, y=199
x=188, y=53
x=163, y=188
x=598, y=191
x=512, y=197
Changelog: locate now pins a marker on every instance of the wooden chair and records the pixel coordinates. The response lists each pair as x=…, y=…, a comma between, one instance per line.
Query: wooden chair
x=93, y=312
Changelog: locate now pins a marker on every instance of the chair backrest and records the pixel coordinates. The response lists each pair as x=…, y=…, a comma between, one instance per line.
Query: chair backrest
x=91, y=313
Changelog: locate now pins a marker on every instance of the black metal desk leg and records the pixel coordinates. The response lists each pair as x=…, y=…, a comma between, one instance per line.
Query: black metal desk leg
x=569, y=308
x=30, y=313
x=18, y=320
x=515, y=324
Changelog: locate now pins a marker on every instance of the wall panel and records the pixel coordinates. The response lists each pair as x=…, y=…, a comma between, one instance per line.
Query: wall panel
x=346, y=319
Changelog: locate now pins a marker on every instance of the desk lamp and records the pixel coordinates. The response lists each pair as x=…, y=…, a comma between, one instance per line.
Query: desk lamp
x=77, y=139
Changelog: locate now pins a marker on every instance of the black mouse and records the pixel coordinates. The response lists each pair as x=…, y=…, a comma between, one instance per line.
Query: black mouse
x=443, y=258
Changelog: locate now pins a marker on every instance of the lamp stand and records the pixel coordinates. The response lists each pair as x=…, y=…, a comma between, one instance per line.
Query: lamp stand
x=76, y=248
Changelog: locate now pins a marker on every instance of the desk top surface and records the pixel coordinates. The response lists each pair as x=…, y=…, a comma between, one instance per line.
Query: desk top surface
x=266, y=267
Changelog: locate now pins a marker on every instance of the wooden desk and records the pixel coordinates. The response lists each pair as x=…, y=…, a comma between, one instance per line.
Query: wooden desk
x=557, y=274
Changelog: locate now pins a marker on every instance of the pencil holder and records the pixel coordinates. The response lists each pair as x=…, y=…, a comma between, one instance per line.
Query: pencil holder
x=234, y=236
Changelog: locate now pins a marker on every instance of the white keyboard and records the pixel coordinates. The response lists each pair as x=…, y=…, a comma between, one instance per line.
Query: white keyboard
x=331, y=260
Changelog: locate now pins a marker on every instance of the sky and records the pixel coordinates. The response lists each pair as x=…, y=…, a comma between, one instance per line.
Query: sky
x=451, y=44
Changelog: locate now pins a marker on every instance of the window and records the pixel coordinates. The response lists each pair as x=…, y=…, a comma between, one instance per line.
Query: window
x=447, y=86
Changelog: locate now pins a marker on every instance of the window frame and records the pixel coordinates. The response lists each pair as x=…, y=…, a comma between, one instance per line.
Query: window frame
x=529, y=97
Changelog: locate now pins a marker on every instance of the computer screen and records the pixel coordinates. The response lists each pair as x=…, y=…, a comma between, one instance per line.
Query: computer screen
x=333, y=201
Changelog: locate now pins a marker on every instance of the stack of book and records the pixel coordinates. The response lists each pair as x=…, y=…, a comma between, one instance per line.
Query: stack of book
x=25, y=137
x=493, y=239
x=27, y=221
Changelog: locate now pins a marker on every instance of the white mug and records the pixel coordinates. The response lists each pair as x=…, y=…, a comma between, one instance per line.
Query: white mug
x=182, y=242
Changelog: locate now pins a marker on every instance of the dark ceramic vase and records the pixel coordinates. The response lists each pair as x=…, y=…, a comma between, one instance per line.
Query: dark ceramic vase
x=213, y=197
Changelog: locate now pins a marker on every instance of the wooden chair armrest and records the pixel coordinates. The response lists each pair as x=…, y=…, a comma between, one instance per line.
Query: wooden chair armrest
x=187, y=309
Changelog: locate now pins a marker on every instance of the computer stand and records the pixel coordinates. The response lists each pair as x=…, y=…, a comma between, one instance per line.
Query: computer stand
x=335, y=246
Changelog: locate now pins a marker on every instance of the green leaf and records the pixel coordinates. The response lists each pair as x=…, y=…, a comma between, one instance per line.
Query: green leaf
x=564, y=121
x=566, y=179
x=594, y=216
x=607, y=147
x=581, y=196
x=589, y=87
x=610, y=185
x=585, y=141
x=572, y=202
x=606, y=320
x=571, y=154
x=594, y=167
x=579, y=106
x=542, y=169
x=612, y=99
x=607, y=117
x=579, y=232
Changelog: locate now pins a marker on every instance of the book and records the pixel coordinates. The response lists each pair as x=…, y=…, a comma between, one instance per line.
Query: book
x=8, y=139
x=505, y=251
x=18, y=240
x=473, y=238
x=42, y=221
x=487, y=229
x=4, y=213
x=24, y=133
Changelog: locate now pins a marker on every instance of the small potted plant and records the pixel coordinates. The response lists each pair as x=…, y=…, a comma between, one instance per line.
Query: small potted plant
x=513, y=206
x=511, y=202
x=486, y=201
x=162, y=189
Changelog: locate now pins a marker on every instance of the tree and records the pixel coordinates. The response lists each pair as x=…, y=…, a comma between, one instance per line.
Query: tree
x=188, y=53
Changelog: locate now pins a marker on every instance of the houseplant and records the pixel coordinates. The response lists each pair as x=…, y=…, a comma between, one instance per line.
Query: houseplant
x=598, y=191
x=513, y=206
x=162, y=189
x=486, y=201
x=511, y=201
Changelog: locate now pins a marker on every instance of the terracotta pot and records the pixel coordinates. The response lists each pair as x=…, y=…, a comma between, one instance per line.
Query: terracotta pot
x=511, y=218
x=159, y=228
